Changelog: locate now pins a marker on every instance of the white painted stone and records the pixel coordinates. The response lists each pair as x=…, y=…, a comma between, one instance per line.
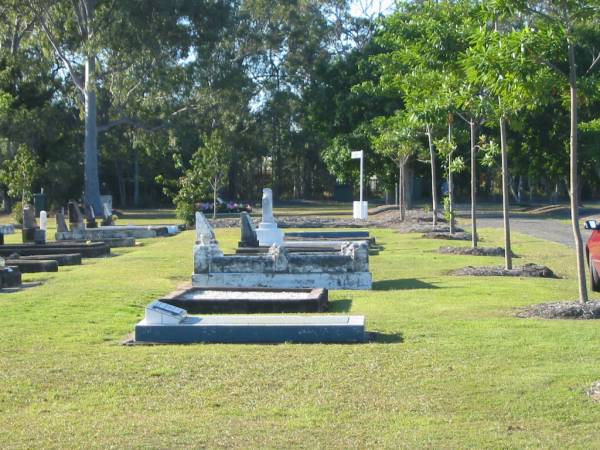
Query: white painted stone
x=267, y=232
x=43, y=220
x=345, y=280
x=360, y=210
x=159, y=313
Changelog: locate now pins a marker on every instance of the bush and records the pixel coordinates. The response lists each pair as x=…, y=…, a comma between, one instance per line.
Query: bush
x=17, y=212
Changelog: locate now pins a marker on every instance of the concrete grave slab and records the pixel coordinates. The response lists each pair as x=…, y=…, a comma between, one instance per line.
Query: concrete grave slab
x=247, y=300
x=178, y=328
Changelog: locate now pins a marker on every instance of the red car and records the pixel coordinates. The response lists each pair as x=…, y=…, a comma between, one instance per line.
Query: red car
x=593, y=253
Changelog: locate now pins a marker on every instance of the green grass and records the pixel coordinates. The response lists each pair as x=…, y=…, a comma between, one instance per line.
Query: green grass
x=451, y=366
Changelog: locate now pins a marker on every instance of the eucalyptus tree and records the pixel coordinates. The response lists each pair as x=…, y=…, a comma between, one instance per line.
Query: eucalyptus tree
x=564, y=37
x=96, y=42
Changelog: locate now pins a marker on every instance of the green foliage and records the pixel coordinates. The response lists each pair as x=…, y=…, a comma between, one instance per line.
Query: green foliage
x=203, y=178
x=19, y=174
x=17, y=212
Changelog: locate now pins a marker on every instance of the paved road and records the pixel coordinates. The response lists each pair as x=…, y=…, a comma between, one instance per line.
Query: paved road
x=549, y=229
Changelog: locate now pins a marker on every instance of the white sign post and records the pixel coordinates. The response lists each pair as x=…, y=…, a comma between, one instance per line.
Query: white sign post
x=360, y=208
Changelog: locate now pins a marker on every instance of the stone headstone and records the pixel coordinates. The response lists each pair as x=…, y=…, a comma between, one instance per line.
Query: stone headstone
x=61, y=224
x=248, y=230
x=267, y=232
x=28, y=217
x=29, y=225
x=43, y=220
x=90, y=217
x=39, y=236
x=107, y=205
x=204, y=232
x=108, y=218
x=75, y=216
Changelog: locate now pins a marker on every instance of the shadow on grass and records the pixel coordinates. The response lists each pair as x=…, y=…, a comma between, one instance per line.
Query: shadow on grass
x=344, y=305
x=384, y=338
x=402, y=283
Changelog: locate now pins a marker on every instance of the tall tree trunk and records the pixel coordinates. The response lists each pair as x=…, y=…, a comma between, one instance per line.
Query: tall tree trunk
x=473, y=184
x=136, y=178
x=574, y=188
x=399, y=189
x=91, y=193
x=402, y=187
x=215, y=199
x=434, y=199
x=91, y=177
x=505, y=198
x=450, y=181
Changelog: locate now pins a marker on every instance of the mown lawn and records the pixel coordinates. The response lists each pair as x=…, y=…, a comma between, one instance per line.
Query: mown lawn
x=451, y=366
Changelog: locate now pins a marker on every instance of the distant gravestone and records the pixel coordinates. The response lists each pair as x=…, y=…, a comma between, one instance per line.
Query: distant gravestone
x=61, y=224
x=107, y=220
x=29, y=224
x=75, y=217
x=90, y=217
x=248, y=230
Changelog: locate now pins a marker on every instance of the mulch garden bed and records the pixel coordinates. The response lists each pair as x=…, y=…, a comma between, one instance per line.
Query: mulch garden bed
x=458, y=235
x=563, y=310
x=470, y=251
x=527, y=270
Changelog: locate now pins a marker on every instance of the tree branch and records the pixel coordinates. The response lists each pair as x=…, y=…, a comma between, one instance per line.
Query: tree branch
x=594, y=62
x=76, y=80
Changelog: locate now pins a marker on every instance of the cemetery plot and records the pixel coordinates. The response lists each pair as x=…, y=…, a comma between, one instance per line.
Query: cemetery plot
x=161, y=326
x=248, y=300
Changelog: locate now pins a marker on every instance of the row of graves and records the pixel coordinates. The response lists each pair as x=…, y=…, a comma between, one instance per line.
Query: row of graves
x=249, y=297
x=85, y=236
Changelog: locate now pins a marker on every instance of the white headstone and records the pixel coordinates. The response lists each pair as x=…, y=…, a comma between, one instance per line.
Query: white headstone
x=43, y=220
x=267, y=231
x=267, y=206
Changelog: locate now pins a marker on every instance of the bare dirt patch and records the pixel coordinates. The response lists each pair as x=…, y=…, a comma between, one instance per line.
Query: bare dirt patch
x=470, y=251
x=527, y=270
x=563, y=310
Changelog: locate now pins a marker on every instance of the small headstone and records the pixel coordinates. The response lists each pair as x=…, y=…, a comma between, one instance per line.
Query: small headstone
x=28, y=217
x=43, y=220
x=107, y=220
x=75, y=217
x=61, y=224
x=39, y=236
x=90, y=217
x=29, y=225
x=204, y=232
x=248, y=230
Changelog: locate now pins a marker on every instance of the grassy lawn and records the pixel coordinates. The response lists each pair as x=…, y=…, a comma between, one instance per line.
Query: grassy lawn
x=451, y=366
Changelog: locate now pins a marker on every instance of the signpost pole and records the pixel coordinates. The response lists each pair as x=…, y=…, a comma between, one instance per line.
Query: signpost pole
x=361, y=181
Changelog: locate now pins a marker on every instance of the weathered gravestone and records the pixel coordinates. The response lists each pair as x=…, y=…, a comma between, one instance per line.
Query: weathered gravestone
x=29, y=224
x=248, y=230
x=90, y=217
x=75, y=217
x=61, y=224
